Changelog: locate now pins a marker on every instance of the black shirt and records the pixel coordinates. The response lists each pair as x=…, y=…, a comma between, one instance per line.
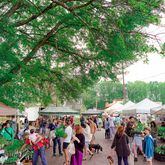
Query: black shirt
x=80, y=146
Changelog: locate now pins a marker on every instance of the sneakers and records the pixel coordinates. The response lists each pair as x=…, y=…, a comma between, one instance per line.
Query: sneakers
x=135, y=159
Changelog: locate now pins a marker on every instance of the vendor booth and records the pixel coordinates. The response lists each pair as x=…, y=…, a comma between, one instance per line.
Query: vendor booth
x=6, y=112
x=92, y=112
x=160, y=111
x=143, y=107
x=115, y=108
x=53, y=110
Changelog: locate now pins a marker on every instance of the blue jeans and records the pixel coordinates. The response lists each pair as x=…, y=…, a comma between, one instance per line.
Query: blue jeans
x=43, y=130
x=125, y=159
x=41, y=153
x=55, y=142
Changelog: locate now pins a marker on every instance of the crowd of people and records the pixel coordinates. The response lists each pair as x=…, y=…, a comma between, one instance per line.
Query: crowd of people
x=41, y=134
x=131, y=137
x=76, y=138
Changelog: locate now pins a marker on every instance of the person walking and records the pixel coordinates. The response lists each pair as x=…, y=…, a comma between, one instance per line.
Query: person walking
x=93, y=129
x=137, y=145
x=35, y=140
x=148, y=146
x=107, y=131
x=88, y=138
x=67, y=140
x=79, y=142
x=82, y=119
x=121, y=145
x=111, y=126
x=56, y=139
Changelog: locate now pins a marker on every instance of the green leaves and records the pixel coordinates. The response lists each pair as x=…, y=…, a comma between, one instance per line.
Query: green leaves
x=62, y=47
x=109, y=91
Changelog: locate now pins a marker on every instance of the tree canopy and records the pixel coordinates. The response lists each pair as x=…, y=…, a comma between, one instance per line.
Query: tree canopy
x=60, y=47
x=137, y=91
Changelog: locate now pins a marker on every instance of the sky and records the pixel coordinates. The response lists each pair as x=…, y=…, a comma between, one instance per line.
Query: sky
x=155, y=69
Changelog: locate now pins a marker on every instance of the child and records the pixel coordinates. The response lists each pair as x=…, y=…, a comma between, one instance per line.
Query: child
x=137, y=144
x=148, y=145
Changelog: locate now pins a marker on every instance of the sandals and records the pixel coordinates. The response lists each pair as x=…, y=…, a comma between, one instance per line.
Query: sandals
x=66, y=163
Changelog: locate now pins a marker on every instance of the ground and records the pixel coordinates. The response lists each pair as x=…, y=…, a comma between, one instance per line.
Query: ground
x=98, y=159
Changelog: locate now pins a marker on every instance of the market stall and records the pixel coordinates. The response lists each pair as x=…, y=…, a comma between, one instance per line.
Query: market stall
x=160, y=149
x=143, y=107
x=53, y=110
x=126, y=106
x=92, y=112
x=115, y=108
x=10, y=151
x=6, y=112
x=160, y=111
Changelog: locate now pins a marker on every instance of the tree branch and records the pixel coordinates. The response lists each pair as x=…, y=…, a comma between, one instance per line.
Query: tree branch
x=12, y=10
x=17, y=68
x=81, y=6
x=24, y=22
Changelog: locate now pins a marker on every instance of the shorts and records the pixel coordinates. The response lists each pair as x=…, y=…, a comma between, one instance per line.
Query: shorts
x=65, y=145
x=149, y=159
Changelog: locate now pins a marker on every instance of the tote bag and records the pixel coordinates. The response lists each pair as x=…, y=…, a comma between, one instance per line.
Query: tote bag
x=71, y=148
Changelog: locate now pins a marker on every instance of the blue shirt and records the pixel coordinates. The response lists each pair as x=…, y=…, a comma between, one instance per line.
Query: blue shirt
x=149, y=146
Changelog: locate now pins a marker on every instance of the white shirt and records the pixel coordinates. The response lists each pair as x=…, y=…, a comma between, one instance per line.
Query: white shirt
x=87, y=133
x=69, y=132
x=33, y=137
x=111, y=123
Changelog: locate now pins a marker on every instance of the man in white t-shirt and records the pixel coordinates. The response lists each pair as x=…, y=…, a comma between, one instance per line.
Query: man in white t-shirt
x=67, y=140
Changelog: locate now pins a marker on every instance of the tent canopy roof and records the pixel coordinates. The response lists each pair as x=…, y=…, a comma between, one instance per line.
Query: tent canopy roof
x=7, y=110
x=92, y=112
x=161, y=111
x=58, y=110
x=128, y=104
x=117, y=107
x=144, y=106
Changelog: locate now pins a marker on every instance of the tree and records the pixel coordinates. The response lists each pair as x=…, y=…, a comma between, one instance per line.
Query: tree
x=62, y=47
x=137, y=91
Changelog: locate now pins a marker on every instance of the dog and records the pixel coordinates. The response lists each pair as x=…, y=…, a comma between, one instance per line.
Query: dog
x=96, y=147
x=110, y=160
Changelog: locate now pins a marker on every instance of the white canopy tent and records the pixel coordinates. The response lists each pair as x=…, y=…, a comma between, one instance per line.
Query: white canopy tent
x=92, y=112
x=115, y=108
x=127, y=105
x=143, y=107
x=160, y=111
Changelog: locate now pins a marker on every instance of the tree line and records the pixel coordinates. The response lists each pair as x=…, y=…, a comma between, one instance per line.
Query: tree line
x=107, y=91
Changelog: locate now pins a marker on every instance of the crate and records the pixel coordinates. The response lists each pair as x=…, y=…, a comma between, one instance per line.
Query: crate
x=25, y=162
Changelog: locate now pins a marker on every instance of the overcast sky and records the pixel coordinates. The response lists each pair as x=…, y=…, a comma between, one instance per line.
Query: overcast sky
x=155, y=69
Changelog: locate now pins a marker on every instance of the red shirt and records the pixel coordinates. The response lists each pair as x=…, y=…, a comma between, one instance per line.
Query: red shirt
x=35, y=146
